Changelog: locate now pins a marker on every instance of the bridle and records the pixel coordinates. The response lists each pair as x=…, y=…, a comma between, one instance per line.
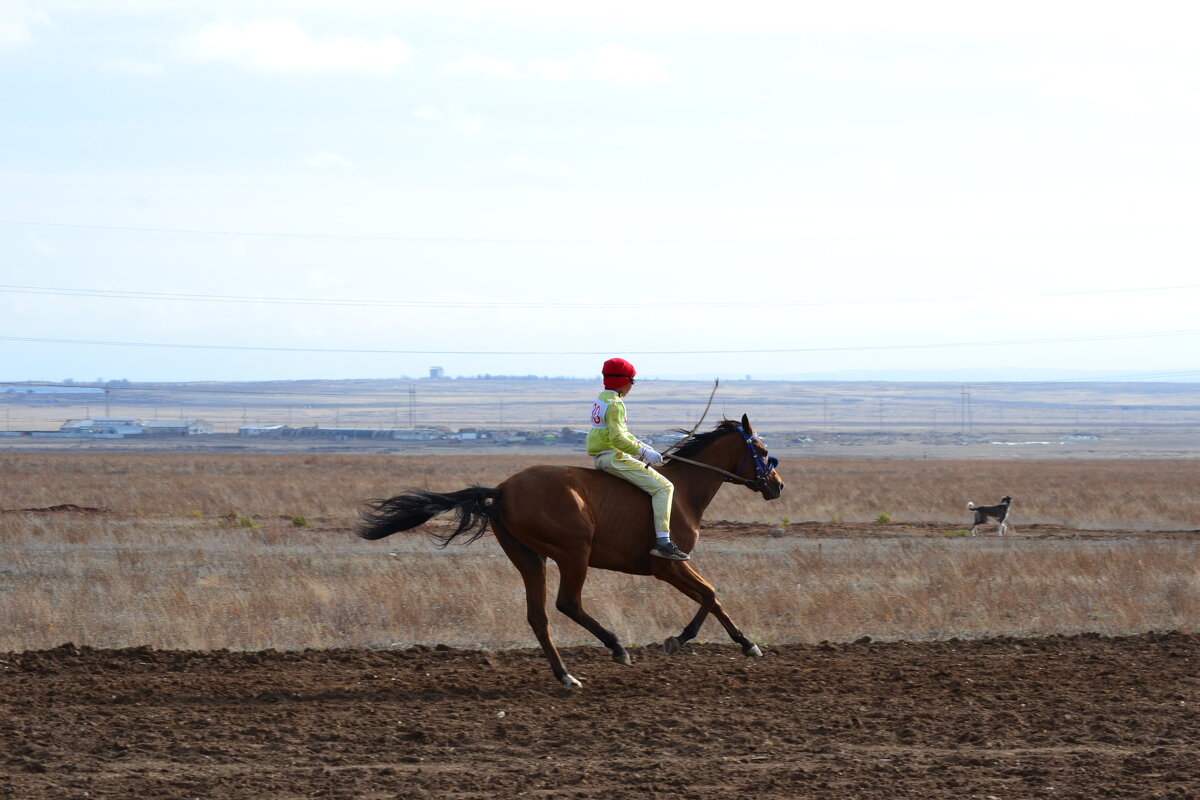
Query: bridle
x=762, y=466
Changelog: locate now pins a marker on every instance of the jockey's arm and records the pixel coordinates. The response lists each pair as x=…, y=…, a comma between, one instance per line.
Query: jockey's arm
x=622, y=439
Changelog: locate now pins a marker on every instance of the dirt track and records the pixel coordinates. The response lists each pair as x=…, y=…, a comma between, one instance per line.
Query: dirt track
x=1079, y=717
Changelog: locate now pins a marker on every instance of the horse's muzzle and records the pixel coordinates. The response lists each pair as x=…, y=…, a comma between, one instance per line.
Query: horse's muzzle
x=771, y=488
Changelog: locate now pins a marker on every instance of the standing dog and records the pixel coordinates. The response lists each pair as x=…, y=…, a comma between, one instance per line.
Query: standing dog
x=998, y=512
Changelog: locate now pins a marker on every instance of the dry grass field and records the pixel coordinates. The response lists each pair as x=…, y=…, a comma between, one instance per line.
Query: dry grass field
x=184, y=625
x=194, y=551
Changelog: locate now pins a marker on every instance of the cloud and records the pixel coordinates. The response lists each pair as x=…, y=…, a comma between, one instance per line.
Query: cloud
x=428, y=114
x=1072, y=21
x=1124, y=88
x=476, y=64
x=525, y=165
x=16, y=24
x=617, y=64
x=607, y=63
x=42, y=247
x=458, y=118
x=133, y=66
x=282, y=46
x=327, y=160
x=552, y=69
x=1126, y=82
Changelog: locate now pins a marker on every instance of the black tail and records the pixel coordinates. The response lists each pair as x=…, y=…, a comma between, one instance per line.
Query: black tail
x=475, y=506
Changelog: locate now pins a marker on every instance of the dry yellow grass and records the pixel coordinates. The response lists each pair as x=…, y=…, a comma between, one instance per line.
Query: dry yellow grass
x=1107, y=494
x=168, y=564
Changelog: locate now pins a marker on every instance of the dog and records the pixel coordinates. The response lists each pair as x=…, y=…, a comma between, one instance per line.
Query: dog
x=998, y=512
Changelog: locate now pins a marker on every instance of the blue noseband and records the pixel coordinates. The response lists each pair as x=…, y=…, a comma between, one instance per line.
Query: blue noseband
x=762, y=467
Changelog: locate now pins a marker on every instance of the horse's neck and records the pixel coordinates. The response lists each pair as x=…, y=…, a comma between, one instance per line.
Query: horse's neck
x=695, y=487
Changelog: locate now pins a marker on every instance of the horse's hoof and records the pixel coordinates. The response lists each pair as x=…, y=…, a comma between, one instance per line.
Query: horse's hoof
x=672, y=646
x=622, y=658
x=569, y=682
x=752, y=651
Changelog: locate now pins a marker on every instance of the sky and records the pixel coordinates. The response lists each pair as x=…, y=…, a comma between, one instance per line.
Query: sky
x=270, y=190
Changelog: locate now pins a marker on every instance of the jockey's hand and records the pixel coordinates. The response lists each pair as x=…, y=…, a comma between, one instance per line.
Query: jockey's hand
x=651, y=456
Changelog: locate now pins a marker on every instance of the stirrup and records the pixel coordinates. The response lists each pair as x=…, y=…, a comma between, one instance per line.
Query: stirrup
x=668, y=549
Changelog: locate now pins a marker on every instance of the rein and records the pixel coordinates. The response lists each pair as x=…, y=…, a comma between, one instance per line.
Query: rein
x=761, y=468
x=729, y=476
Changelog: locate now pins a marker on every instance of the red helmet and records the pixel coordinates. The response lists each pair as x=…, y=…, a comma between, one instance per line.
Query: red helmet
x=617, y=372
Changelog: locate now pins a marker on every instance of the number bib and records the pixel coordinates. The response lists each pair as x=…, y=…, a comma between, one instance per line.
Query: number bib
x=599, y=411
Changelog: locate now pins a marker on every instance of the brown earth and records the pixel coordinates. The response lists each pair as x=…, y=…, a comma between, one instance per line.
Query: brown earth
x=1059, y=717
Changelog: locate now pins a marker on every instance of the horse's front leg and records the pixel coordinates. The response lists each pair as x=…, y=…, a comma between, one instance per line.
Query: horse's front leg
x=748, y=647
x=688, y=581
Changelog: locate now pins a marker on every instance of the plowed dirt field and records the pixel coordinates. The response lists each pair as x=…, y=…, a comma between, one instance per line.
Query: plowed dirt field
x=1061, y=717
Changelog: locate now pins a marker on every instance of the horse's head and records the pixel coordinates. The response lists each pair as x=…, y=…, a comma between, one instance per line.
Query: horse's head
x=759, y=469
x=734, y=450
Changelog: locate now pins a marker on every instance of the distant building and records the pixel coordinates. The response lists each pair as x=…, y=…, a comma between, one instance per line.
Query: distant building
x=346, y=434
x=102, y=427
x=416, y=434
x=120, y=427
x=262, y=430
x=176, y=427
x=437, y=372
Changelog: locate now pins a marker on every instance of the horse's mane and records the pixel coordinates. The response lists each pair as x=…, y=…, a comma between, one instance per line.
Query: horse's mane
x=700, y=441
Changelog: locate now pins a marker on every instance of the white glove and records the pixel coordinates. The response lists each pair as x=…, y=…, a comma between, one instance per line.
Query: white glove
x=651, y=456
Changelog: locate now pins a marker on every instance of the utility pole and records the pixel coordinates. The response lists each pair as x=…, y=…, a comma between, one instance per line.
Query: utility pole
x=412, y=406
x=965, y=412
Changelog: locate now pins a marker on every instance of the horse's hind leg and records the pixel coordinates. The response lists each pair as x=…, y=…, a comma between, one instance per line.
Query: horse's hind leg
x=570, y=602
x=532, y=567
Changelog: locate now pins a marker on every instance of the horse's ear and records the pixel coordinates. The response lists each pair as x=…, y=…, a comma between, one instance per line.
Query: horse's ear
x=746, y=425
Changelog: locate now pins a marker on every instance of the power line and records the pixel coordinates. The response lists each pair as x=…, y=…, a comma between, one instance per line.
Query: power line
x=155, y=387
x=385, y=237
x=443, y=304
x=546, y=240
x=726, y=351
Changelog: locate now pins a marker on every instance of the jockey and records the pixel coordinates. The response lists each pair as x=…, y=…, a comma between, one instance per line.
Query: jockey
x=617, y=452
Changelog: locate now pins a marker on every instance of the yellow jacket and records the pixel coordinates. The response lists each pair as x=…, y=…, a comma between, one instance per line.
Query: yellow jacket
x=608, y=427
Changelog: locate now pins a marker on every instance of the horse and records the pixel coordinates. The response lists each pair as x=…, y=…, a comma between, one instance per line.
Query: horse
x=584, y=518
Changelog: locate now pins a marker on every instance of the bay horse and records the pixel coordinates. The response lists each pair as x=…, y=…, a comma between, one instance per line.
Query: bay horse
x=582, y=518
